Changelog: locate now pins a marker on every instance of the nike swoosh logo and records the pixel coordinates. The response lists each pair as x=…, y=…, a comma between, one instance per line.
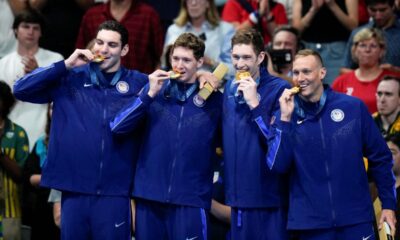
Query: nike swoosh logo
x=191, y=238
x=366, y=238
x=300, y=121
x=117, y=225
x=87, y=85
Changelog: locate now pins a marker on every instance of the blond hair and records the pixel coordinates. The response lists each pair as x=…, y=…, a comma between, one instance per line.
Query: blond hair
x=367, y=34
x=211, y=14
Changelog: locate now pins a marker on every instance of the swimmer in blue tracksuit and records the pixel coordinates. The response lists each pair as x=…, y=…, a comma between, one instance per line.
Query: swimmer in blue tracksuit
x=93, y=169
x=320, y=137
x=256, y=195
x=173, y=181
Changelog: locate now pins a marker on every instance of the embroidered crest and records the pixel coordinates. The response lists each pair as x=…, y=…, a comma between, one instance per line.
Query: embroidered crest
x=122, y=87
x=198, y=101
x=337, y=115
x=10, y=134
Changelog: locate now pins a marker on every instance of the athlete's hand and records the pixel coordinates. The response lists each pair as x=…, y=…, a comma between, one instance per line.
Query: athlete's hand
x=286, y=102
x=248, y=87
x=388, y=216
x=78, y=58
x=207, y=77
x=156, y=80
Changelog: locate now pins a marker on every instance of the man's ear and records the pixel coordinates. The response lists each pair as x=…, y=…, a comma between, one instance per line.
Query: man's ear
x=125, y=50
x=200, y=62
x=260, y=57
x=322, y=73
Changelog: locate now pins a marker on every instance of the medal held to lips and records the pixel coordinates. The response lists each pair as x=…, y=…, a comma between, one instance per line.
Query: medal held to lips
x=240, y=75
x=175, y=74
x=295, y=90
x=98, y=58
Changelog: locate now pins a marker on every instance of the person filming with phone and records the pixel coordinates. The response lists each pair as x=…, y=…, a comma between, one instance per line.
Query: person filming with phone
x=284, y=45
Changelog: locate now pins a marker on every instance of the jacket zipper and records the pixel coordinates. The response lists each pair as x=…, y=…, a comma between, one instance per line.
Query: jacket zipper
x=175, y=157
x=102, y=146
x=328, y=173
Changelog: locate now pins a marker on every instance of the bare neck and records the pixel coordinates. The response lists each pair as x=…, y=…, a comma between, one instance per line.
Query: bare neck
x=368, y=73
x=119, y=8
x=198, y=22
x=27, y=50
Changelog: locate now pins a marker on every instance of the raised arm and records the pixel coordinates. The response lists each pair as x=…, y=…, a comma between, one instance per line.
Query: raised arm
x=349, y=20
x=132, y=115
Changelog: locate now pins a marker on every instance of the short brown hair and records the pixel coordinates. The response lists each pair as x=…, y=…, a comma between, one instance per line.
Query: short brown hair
x=192, y=42
x=309, y=52
x=249, y=36
x=391, y=78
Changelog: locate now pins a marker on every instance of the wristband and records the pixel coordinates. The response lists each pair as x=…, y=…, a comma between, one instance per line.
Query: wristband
x=253, y=17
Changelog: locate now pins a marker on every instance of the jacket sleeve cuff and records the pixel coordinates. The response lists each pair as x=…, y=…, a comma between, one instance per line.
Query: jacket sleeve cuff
x=257, y=112
x=284, y=126
x=60, y=67
x=145, y=98
x=389, y=204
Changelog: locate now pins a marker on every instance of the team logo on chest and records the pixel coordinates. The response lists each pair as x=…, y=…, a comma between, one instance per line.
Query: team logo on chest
x=337, y=115
x=198, y=101
x=9, y=134
x=122, y=87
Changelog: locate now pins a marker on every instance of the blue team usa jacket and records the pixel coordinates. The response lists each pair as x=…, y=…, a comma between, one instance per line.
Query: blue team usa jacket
x=323, y=151
x=248, y=183
x=83, y=155
x=180, y=137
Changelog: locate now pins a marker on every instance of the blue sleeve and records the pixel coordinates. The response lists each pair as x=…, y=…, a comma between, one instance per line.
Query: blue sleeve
x=132, y=115
x=380, y=160
x=278, y=137
x=266, y=112
x=36, y=87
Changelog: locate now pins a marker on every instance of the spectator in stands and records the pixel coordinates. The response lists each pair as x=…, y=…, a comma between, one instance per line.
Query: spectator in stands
x=288, y=4
x=284, y=38
x=393, y=142
x=13, y=152
x=63, y=18
x=368, y=50
x=37, y=212
x=29, y=55
x=388, y=101
x=8, y=42
x=363, y=16
x=264, y=15
x=325, y=27
x=384, y=18
x=200, y=17
x=146, y=35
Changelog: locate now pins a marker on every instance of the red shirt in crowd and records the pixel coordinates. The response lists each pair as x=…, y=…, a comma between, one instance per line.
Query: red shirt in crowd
x=146, y=36
x=234, y=12
x=349, y=84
